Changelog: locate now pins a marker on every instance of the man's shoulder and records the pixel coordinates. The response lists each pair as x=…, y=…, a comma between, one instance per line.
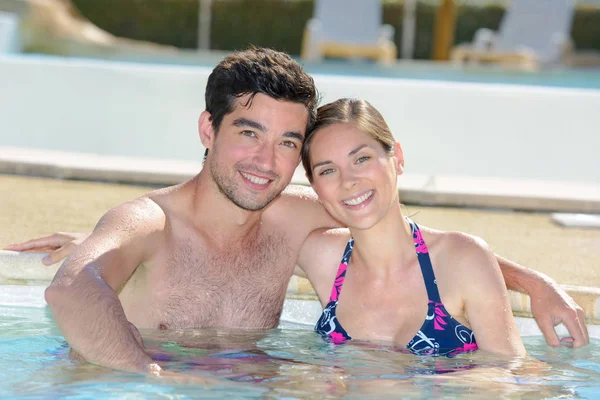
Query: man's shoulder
x=141, y=214
x=299, y=194
x=329, y=237
x=295, y=201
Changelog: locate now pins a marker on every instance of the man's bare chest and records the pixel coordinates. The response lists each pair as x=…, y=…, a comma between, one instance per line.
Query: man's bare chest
x=236, y=286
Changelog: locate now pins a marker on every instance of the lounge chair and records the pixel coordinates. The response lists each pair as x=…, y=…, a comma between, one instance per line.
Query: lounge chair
x=348, y=29
x=9, y=33
x=532, y=34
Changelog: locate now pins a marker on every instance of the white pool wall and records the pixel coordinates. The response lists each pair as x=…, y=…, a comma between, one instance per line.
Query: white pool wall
x=298, y=312
x=450, y=128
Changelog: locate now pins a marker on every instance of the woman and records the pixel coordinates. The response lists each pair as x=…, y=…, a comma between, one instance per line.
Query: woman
x=433, y=292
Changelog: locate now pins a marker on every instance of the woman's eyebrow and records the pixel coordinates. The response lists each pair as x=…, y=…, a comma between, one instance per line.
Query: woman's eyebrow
x=356, y=150
x=351, y=153
x=321, y=163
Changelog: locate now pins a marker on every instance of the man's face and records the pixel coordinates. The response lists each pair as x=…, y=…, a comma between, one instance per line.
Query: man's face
x=257, y=149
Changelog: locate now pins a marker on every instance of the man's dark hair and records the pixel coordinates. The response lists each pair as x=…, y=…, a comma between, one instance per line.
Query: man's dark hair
x=258, y=70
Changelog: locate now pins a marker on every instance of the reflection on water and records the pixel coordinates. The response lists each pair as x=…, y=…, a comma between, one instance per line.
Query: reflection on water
x=283, y=363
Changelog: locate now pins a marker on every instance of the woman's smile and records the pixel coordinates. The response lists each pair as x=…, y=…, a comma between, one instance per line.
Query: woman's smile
x=359, y=200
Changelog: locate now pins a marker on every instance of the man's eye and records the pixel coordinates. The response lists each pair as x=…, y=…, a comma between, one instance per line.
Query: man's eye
x=248, y=133
x=290, y=144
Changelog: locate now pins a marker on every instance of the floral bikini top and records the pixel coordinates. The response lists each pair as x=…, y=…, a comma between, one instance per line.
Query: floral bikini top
x=440, y=334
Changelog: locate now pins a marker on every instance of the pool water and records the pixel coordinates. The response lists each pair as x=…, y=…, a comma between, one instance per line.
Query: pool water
x=581, y=78
x=285, y=363
x=560, y=76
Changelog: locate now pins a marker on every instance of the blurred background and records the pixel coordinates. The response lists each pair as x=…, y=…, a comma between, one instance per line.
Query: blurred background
x=233, y=24
x=481, y=82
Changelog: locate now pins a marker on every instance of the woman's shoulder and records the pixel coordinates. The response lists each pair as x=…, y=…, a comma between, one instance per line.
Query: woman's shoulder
x=464, y=266
x=320, y=258
x=459, y=248
x=323, y=248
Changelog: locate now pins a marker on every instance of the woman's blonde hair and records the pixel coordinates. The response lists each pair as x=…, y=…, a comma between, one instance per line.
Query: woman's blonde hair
x=351, y=111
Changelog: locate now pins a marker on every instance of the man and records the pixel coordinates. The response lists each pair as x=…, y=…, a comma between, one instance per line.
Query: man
x=219, y=249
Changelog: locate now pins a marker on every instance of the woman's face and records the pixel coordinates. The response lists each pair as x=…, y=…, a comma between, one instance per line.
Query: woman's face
x=353, y=175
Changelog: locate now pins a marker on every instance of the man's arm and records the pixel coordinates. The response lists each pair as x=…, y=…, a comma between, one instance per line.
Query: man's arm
x=308, y=212
x=550, y=305
x=83, y=296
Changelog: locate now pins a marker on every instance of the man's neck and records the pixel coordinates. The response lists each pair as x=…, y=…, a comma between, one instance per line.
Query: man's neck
x=212, y=210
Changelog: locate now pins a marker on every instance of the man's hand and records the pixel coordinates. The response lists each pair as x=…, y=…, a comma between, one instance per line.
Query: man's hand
x=59, y=245
x=551, y=305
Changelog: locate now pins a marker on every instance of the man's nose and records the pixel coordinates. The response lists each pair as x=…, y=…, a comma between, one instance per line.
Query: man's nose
x=265, y=157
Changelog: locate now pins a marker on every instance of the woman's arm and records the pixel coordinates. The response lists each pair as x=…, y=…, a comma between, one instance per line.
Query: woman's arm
x=485, y=297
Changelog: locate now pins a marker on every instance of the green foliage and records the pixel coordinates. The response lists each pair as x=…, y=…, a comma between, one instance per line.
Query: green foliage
x=586, y=28
x=170, y=22
x=279, y=24
x=268, y=23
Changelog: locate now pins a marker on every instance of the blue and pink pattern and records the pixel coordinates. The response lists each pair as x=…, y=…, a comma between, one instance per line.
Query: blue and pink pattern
x=439, y=335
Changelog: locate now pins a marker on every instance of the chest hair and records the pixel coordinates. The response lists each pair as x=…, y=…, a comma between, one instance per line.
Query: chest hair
x=238, y=285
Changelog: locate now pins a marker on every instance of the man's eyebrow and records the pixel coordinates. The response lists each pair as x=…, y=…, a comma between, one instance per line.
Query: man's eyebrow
x=241, y=122
x=294, y=135
x=356, y=150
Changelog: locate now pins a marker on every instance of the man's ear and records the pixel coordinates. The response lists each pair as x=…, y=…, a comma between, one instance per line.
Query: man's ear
x=205, y=130
x=399, y=156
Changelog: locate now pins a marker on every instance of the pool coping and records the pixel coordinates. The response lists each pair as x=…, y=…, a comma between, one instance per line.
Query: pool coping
x=438, y=190
x=18, y=268
x=299, y=312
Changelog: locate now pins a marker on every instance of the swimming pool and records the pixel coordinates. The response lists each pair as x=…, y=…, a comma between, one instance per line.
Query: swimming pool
x=285, y=363
x=583, y=78
x=290, y=362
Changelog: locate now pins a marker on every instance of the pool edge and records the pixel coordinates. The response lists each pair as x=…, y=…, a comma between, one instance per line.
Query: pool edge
x=438, y=190
x=17, y=268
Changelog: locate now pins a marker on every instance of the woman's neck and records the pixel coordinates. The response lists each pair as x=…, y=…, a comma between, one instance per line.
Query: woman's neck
x=385, y=247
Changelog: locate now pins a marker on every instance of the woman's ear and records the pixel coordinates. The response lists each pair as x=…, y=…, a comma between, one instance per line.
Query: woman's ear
x=399, y=157
x=205, y=130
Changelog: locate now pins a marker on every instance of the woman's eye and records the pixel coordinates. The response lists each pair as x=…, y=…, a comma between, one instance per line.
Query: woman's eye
x=362, y=159
x=326, y=171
